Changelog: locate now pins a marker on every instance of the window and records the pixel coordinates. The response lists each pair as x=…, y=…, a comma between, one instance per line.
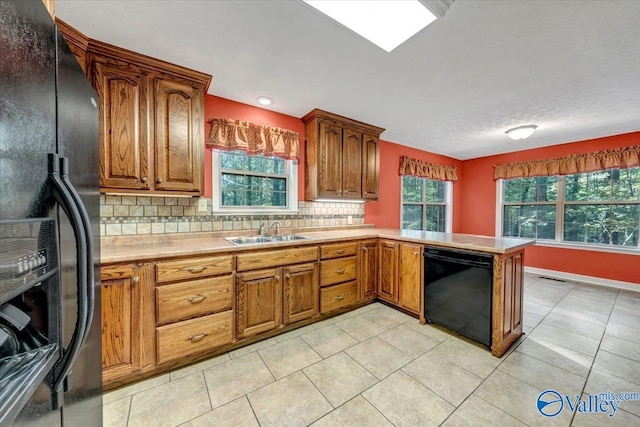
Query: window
x=253, y=183
x=426, y=204
x=595, y=208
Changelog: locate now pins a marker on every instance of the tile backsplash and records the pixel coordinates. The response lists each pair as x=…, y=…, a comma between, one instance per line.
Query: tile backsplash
x=132, y=215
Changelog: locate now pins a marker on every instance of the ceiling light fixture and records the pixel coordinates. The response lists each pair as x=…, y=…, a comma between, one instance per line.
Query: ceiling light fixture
x=385, y=23
x=521, y=132
x=264, y=100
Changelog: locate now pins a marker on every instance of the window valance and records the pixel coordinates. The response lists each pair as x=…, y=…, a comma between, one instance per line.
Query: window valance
x=625, y=157
x=229, y=134
x=415, y=167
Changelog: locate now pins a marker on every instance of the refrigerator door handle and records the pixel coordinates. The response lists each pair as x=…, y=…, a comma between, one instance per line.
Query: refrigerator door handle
x=86, y=225
x=65, y=200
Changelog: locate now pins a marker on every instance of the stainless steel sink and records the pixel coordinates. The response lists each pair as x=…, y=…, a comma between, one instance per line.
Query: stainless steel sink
x=264, y=239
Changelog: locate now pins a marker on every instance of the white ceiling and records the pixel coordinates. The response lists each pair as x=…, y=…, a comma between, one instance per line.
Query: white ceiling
x=570, y=67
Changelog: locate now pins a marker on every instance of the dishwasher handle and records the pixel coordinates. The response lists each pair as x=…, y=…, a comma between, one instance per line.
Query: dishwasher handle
x=453, y=260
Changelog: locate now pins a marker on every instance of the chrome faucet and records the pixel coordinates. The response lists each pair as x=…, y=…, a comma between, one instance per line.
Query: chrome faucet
x=277, y=225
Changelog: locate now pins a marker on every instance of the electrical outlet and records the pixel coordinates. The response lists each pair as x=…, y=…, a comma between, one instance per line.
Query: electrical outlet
x=350, y=219
x=202, y=204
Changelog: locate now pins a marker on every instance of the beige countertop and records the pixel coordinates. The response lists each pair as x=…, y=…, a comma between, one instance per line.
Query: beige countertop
x=138, y=248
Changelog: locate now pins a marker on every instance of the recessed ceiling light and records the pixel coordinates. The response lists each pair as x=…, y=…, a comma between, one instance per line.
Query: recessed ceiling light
x=521, y=132
x=264, y=100
x=385, y=23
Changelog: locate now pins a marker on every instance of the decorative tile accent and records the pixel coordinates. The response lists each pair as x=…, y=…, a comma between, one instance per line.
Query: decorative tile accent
x=166, y=215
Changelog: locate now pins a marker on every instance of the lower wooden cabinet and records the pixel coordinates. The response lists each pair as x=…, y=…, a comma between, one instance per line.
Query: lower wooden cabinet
x=410, y=277
x=127, y=316
x=508, y=278
x=300, y=292
x=338, y=296
x=194, y=336
x=388, y=276
x=259, y=301
x=368, y=270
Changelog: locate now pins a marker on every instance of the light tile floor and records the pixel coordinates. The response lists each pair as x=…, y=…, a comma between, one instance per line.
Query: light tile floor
x=376, y=366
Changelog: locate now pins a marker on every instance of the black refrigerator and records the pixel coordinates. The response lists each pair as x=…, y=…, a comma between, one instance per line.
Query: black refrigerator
x=50, y=341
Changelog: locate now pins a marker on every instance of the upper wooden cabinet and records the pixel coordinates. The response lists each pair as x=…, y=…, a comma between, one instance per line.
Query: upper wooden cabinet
x=151, y=122
x=342, y=157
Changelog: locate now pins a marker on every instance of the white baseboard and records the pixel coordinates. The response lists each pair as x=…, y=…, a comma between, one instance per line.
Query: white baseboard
x=585, y=279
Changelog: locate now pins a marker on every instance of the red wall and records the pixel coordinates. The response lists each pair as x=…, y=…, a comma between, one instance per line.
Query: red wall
x=385, y=212
x=477, y=212
x=215, y=106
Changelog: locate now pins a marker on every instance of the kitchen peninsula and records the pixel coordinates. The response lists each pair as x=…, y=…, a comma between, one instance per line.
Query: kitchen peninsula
x=174, y=299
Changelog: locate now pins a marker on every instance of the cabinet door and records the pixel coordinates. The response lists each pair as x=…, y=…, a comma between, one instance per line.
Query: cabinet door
x=124, y=127
x=179, y=146
x=410, y=277
x=388, y=279
x=259, y=301
x=507, y=301
x=351, y=163
x=370, y=166
x=301, y=292
x=368, y=270
x=120, y=293
x=330, y=160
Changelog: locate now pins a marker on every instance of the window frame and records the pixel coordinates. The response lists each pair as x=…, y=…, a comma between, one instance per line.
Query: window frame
x=448, y=205
x=560, y=204
x=290, y=175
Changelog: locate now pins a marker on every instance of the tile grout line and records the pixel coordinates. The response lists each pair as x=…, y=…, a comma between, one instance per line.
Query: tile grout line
x=573, y=416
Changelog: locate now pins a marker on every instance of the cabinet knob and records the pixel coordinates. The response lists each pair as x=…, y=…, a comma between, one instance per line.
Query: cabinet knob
x=287, y=276
x=136, y=279
x=277, y=278
x=145, y=179
x=197, y=299
x=197, y=337
x=416, y=252
x=160, y=180
x=340, y=297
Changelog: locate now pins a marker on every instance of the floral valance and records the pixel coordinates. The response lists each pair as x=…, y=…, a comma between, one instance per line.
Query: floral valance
x=229, y=134
x=415, y=167
x=577, y=163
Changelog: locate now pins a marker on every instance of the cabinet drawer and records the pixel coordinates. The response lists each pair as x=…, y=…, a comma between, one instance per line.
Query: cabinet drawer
x=192, y=268
x=337, y=270
x=194, y=298
x=337, y=296
x=266, y=259
x=194, y=336
x=337, y=250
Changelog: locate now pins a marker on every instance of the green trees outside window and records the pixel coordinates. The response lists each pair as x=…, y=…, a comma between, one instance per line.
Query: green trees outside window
x=252, y=180
x=600, y=207
x=423, y=204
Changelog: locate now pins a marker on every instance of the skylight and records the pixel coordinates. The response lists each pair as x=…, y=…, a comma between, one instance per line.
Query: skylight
x=385, y=23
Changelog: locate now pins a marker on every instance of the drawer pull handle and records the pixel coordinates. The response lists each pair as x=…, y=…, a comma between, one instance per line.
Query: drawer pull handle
x=197, y=269
x=340, y=297
x=341, y=271
x=198, y=337
x=339, y=251
x=197, y=299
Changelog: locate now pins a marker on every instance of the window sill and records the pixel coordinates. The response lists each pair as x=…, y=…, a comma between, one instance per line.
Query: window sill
x=592, y=248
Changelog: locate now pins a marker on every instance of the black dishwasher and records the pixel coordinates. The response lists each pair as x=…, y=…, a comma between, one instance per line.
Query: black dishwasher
x=457, y=291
